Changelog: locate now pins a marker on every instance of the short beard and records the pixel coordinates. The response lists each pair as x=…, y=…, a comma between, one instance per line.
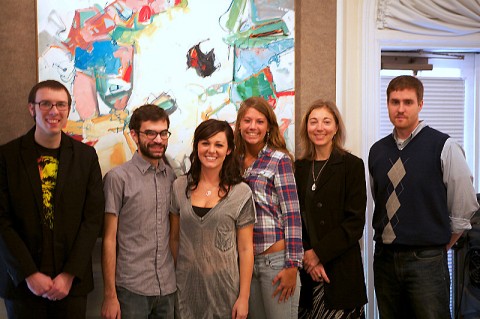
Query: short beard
x=146, y=152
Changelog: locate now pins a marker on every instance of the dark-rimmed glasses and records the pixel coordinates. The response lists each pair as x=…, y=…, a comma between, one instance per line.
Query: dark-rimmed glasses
x=47, y=105
x=151, y=134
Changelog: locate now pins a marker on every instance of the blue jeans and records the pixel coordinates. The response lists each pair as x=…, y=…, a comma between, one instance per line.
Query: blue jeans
x=412, y=282
x=262, y=304
x=134, y=306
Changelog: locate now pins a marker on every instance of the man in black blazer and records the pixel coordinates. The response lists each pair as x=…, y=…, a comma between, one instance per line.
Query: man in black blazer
x=51, y=211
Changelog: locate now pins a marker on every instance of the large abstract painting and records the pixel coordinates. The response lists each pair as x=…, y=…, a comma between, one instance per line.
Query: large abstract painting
x=196, y=59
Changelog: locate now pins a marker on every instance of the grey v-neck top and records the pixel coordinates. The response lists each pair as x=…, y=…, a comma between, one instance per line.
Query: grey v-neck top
x=208, y=280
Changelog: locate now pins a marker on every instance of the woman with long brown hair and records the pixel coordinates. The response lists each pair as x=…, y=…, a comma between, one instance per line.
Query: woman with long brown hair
x=332, y=193
x=268, y=169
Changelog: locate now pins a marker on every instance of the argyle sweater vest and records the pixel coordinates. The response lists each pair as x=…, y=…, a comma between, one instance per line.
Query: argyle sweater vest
x=410, y=196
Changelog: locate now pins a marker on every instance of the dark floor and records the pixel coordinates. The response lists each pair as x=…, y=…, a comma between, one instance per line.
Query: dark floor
x=95, y=297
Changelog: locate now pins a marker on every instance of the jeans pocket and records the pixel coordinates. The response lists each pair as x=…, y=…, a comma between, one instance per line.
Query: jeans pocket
x=429, y=254
x=276, y=260
x=224, y=239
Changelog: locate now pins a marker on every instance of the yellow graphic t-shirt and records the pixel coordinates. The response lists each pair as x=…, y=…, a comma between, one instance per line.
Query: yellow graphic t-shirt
x=48, y=168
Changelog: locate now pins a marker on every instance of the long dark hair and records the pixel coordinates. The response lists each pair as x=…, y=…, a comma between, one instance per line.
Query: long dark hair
x=230, y=173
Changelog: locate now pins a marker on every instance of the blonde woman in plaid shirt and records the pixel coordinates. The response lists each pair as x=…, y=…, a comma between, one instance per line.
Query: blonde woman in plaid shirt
x=278, y=250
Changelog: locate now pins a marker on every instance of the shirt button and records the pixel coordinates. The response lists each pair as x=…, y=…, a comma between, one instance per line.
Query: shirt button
x=319, y=205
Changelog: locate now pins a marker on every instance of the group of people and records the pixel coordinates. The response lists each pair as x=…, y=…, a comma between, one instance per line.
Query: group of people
x=247, y=232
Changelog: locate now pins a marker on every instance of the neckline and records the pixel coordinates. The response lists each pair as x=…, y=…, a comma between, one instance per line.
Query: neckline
x=212, y=209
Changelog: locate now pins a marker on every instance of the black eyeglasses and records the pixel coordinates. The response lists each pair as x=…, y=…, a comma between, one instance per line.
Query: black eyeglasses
x=47, y=105
x=151, y=134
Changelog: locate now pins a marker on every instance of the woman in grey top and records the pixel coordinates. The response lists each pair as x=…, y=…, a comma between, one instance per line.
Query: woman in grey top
x=212, y=217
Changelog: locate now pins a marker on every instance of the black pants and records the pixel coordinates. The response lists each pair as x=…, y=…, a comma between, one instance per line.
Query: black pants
x=71, y=307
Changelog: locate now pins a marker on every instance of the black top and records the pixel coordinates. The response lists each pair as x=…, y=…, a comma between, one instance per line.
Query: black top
x=201, y=211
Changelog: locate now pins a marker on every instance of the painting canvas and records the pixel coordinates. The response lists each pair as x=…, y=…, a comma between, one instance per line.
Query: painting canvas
x=196, y=59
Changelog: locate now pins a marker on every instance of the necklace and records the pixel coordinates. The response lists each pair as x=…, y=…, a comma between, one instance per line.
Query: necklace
x=314, y=186
x=209, y=191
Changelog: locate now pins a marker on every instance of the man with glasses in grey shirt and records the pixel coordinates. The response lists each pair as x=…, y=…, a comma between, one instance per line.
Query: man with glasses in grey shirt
x=138, y=268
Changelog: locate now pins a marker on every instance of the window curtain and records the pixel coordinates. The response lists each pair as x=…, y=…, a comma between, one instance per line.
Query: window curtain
x=430, y=17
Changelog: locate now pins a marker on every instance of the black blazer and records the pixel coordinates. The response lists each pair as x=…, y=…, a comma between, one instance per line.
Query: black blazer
x=79, y=209
x=333, y=225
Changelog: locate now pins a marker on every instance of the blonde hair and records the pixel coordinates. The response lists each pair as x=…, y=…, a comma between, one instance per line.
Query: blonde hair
x=307, y=146
x=273, y=138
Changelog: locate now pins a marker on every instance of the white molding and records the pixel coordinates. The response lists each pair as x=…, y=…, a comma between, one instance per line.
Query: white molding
x=391, y=39
x=476, y=139
x=370, y=82
x=340, y=49
x=469, y=121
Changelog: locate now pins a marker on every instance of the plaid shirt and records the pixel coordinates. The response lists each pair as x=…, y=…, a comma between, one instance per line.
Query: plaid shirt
x=276, y=200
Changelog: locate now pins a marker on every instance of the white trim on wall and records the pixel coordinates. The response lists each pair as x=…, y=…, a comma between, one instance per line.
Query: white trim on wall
x=355, y=22
x=476, y=123
x=370, y=82
x=340, y=48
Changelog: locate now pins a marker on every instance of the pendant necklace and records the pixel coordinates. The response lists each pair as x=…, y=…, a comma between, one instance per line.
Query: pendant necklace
x=209, y=191
x=314, y=186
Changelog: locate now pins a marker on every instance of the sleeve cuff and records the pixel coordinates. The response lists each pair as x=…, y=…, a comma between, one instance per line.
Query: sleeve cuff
x=293, y=263
x=459, y=225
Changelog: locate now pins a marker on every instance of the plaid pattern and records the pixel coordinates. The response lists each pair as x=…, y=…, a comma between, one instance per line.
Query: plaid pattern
x=278, y=212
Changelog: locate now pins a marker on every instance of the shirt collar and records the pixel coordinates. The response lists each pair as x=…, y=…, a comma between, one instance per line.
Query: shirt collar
x=402, y=144
x=264, y=150
x=144, y=165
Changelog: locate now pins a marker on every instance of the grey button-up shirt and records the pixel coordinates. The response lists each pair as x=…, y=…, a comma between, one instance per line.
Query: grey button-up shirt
x=139, y=194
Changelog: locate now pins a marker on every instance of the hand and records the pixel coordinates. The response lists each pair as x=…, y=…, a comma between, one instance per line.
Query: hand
x=310, y=260
x=39, y=283
x=240, y=308
x=61, y=287
x=288, y=282
x=111, y=308
x=318, y=274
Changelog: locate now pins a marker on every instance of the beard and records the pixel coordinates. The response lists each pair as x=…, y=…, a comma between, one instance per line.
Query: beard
x=145, y=146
